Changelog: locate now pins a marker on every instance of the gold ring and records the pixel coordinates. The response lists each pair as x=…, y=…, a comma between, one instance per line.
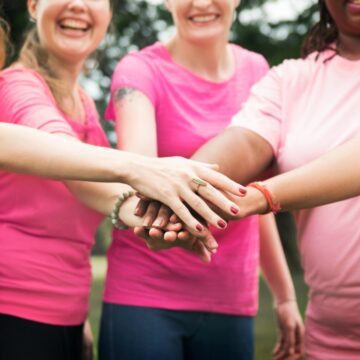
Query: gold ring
x=198, y=182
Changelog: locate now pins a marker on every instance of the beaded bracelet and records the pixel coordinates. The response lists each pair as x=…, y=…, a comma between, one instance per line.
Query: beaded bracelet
x=116, y=222
x=273, y=206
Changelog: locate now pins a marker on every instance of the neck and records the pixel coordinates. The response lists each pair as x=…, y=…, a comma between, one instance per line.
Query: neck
x=68, y=72
x=213, y=61
x=349, y=46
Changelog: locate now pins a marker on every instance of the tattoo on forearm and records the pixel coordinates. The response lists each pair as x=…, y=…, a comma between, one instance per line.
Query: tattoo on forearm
x=125, y=94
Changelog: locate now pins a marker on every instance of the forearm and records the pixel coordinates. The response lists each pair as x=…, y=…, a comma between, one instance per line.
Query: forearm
x=35, y=152
x=273, y=262
x=102, y=198
x=241, y=154
x=332, y=177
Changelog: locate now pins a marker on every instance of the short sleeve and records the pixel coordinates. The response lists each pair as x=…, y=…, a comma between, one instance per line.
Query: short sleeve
x=26, y=100
x=134, y=72
x=262, y=112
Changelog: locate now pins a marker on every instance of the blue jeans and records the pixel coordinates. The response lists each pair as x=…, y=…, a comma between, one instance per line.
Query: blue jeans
x=140, y=333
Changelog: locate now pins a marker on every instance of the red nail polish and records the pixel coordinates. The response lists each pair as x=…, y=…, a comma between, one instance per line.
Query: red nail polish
x=243, y=191
x=234, y=210
x=222, y=224
x=199, y=227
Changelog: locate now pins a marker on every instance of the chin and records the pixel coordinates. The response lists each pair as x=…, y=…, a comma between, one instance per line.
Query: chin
x=210, y=38
x=73, y=56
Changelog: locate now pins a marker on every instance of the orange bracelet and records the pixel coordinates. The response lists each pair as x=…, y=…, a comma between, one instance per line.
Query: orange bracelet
x=273, y=206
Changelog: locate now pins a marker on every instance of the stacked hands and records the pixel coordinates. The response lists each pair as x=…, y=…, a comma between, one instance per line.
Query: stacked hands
x=211, y=199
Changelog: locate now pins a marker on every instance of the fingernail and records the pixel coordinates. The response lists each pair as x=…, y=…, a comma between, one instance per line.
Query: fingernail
x=222, y=224
x=199, y=227
x=158, y=223
x=242, y=191
x=234, y=210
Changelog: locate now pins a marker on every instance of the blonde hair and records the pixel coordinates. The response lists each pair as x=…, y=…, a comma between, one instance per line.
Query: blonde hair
x=35, y=57
x=3, y=41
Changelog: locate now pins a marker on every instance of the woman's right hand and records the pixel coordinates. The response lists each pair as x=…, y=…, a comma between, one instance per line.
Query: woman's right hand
x=174, y=182
x=155, y=240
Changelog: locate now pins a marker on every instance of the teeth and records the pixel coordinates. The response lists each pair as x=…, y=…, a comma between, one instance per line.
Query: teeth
x=74, y=24
x=203, y=19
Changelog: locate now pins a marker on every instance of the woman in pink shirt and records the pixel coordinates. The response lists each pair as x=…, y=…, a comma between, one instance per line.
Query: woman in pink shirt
x=301, y=110
x=181, y=94
x=22, y=151
x=46, y=233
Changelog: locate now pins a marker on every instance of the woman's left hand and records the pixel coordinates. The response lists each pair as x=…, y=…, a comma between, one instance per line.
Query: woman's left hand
x=88, y=341
x=290, y=345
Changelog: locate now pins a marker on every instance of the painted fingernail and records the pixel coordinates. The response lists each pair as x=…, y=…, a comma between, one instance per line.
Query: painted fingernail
x=234, y=210
x=242, y=191
x=222, y=224
x=199, y=227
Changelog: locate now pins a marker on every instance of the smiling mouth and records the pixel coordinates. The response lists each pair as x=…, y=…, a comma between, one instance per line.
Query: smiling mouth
x=202, y=19
x=77, y=25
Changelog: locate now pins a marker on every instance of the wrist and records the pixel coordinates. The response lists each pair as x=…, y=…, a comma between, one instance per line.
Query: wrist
x=284, y=301
x=115, y=213
x=268, y=202
x=255, y=204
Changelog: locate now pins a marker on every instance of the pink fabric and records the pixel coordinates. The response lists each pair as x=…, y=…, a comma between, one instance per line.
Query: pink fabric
x=304, y=108
x=189, y=111
x=46, y=234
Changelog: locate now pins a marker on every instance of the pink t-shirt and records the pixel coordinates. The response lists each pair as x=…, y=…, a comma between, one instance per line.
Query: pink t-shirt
x=45, y=233
x=189, y=112
x=304, y=108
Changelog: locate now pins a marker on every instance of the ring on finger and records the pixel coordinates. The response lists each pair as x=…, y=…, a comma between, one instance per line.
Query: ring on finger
x=199, y=182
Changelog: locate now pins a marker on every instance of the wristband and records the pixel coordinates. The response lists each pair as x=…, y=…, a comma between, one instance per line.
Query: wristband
x=116, y=222
x=273, y=206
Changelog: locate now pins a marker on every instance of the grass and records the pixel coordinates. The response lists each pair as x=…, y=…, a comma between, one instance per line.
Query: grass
x=265, y=333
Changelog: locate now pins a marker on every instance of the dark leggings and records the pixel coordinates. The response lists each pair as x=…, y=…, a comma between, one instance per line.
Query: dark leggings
x=22, y=339
x=140, y=333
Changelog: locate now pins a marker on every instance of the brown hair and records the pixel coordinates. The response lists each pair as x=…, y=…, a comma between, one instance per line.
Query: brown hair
x=34, y=56
x=323, y=34
x=3, y=41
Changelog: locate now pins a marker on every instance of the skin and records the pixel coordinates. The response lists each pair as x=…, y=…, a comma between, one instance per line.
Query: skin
x=204, y=50
x=297, y=189
x=348, y=24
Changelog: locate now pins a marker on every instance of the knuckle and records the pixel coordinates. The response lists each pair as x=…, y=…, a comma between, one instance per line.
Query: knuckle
x=178, y=207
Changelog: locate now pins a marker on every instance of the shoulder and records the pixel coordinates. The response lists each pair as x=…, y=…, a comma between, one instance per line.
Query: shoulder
x=147, y=58
x=20, y=76
x=297, y=70
x=248, y=56
x=27, y=82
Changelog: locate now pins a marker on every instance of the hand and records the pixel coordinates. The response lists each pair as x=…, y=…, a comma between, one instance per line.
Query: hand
x=290, y=345
x=161, y=220
x=157, y=239
x=88, y=341
x=170, y=181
